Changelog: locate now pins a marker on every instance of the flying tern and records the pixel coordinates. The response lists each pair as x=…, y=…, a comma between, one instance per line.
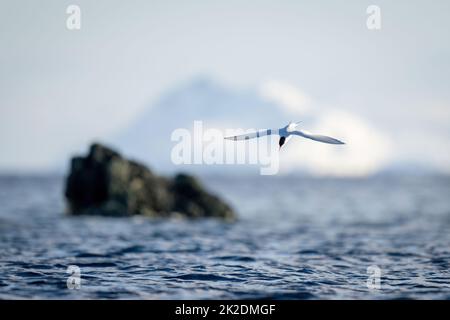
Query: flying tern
x=285, y=134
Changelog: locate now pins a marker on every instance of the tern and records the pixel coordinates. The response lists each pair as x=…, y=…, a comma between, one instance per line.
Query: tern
x=285, y=134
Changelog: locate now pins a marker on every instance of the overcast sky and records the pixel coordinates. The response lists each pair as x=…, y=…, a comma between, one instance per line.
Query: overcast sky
x=59, y=89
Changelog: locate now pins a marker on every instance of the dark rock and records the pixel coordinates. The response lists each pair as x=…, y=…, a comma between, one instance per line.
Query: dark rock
x=104, y=183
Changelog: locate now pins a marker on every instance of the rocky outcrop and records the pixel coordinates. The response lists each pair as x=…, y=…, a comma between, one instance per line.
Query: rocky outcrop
x=105, y=183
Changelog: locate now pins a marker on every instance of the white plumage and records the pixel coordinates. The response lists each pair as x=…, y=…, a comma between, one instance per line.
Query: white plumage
x=285, y=134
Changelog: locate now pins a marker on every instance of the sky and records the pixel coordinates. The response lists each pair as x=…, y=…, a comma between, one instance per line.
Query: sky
x=60, y=88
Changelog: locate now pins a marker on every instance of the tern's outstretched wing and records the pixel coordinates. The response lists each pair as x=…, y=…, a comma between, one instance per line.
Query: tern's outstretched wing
x=255, y=134
x=317, y=137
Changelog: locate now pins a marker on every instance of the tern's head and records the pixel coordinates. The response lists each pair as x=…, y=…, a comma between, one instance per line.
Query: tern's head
x=291, y=126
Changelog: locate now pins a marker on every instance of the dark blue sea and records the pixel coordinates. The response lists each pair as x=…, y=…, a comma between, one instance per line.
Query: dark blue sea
x=296, y=238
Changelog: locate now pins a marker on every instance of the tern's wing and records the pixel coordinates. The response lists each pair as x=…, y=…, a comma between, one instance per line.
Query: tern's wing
x=317, y=137
x=255, y=134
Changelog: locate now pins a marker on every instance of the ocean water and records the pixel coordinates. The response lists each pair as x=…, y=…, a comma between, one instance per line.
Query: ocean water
x=296, y=238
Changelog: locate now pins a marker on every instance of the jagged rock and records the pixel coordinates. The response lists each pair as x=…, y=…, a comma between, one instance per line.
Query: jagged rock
x=105, y=183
